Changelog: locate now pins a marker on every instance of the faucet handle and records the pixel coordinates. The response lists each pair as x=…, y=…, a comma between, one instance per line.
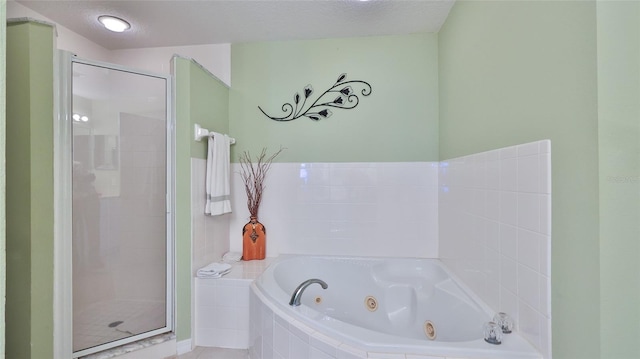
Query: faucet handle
x=504, y=321
x=492, y=333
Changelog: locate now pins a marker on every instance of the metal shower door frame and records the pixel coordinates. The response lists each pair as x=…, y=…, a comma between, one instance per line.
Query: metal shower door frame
x=63, y=161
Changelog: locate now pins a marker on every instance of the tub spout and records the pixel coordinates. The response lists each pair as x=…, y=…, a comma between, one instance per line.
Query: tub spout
x=295, y=297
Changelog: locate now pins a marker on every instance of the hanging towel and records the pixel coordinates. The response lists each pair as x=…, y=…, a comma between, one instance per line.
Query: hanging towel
x=218, y=175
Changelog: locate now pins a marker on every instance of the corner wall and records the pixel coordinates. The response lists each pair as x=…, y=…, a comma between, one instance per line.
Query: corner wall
x=200, y=98
x=518, y=71
x=619, y=151
x=3, y=172
x=29, y=202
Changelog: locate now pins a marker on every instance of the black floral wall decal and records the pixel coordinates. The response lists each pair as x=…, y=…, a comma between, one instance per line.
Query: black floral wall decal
x=340, y=95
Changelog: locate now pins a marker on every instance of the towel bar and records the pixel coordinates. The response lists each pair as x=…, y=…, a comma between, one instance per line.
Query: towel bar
x=199, y=133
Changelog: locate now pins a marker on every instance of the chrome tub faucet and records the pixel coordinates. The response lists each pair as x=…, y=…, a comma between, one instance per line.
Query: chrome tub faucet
x=295, y=297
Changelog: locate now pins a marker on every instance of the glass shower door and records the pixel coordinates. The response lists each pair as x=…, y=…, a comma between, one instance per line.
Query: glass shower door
x=120, y=221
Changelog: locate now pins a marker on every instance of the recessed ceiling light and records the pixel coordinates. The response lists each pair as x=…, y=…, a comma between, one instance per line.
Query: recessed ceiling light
x=113, y=23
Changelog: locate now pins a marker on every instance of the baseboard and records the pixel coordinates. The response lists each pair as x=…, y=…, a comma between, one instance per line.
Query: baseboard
x=183, y=346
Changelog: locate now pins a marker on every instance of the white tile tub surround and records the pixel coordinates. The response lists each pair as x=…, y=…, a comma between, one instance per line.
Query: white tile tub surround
x=364, y=209
x=222, y=306
x=495, y=232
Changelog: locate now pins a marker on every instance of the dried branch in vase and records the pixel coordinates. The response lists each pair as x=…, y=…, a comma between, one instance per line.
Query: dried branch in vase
x=253, y=174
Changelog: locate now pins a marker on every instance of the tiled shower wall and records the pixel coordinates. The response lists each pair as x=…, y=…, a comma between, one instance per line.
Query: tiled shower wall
x=132, y=220
x=495, y=232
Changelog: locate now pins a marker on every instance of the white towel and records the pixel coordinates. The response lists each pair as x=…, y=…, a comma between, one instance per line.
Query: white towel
x=218, y=175
x=231, y=257
x=214, y=270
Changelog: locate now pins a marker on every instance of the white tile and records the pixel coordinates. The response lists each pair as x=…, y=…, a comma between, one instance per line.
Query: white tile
x=315, y=176
x=492, y=205
x=206, y=316
x=509, y=208
x=492, y=264
x=545, y=173
x=205, y=336
x=281, y=340
x=205, y=292
x=267, y=351
x=226, y=295
x=346, y=355
x=280, y=319
x=267, y=327
x=545, y=296
x=529, y=249
x=508, y=152
x=529, y=324
x=493, y=175
x=545, y=337
x=373, y=355
x=493, y=155
x=361, y=176
x=529, y=211
x=480, y=169
x=509, y=174
x=230, y=317
x=509, y=241
x=509, y=304
x=242, y=297
x=316, y=353
x=529, y=287
x=509, y=274
x=529, y=174
x=545, y=146
x=492, y=297
x=300, y=330
x=545, y=255
x=545, y=213
x=325, y=344
x=298, y=348
x=479, y=201
x=347, y=352
x=493, y=235
x=528, y=149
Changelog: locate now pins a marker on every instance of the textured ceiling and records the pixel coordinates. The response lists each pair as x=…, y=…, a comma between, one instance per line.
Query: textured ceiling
x=157, y=23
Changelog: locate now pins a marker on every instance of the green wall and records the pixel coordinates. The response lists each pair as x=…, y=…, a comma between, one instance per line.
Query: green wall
x=3, y=38
x=182, y=175
x=397, y=122
x=29, y=200
x=519, y=71
x=619, y=145
x=199, y=98
x=209, y=98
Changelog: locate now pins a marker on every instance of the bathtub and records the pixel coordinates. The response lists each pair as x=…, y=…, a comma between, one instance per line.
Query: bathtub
x=372, y=308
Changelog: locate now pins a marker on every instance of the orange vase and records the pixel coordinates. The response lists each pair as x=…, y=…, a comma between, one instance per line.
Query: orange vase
x=254, y=240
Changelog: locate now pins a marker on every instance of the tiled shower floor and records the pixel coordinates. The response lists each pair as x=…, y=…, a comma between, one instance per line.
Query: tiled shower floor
x=91, y=326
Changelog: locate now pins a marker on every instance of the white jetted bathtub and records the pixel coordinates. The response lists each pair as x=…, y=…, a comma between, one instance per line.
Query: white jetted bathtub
x=372, y=308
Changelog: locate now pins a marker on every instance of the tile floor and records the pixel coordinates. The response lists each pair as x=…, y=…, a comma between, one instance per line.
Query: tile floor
x=98, y=323
x=214, y=353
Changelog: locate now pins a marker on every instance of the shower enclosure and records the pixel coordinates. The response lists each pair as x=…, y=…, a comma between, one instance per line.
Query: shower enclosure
x=115, y=216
